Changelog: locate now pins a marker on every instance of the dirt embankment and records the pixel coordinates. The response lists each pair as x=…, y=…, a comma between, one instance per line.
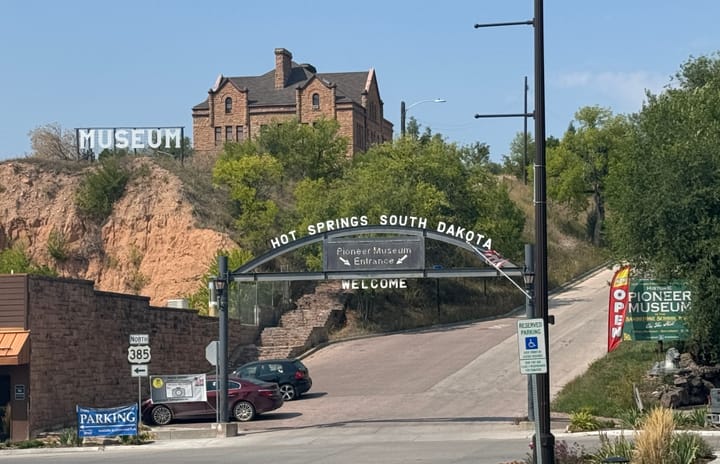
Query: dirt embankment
x=150, y=245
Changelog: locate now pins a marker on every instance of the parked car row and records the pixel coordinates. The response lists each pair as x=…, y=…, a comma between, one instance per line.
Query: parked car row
x=253, y=388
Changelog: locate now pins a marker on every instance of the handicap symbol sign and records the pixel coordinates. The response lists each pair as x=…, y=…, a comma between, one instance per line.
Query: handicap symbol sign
x=531, y=343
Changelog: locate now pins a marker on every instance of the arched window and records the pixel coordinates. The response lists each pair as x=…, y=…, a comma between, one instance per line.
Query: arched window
x=228, y=105
x=316, y=101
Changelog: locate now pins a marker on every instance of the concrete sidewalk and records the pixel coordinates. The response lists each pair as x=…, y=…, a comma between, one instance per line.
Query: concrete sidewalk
x=173, y=436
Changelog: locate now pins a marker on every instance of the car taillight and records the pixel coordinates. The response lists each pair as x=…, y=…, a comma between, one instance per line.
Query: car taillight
x=299, y=375
x=267, y=393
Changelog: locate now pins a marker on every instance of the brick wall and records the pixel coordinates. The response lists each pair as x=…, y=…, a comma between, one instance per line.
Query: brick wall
x=79, y=340
x=348, y=117
x=326, y=108
x=238, y=115
x=203, y=141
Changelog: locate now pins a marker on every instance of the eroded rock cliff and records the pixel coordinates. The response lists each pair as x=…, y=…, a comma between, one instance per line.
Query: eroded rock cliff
x=150, y=245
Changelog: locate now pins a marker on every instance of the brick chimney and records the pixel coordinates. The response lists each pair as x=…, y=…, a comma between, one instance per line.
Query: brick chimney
x=283, y=64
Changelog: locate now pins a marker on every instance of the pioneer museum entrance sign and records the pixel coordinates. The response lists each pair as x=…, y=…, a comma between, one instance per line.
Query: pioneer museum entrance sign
x=366, y=252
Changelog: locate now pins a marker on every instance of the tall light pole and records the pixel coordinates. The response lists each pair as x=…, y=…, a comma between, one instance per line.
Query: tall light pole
x=525, y=136
x=547, y=440
x=222, y=286
x=545, y=449
x=404, y=110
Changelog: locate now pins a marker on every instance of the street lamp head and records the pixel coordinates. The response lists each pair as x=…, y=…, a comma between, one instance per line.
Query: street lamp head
x=219, y=284
x=434, y=100
x=404, y=109
x=528, y=278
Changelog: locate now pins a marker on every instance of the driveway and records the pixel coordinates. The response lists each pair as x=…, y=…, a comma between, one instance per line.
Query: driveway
x=466, y=372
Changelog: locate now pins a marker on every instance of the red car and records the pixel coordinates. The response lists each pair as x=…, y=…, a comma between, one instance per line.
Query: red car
x=246, y=399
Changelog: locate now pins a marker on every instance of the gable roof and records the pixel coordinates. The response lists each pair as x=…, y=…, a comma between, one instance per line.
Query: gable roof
x=262, y=92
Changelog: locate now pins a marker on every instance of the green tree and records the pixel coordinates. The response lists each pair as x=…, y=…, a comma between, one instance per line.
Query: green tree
x=431, y=179
x=252, y=180
x=262, y=174
x=518, y=161
x=577, y=168
x=306, y=151
x=200, y=299
x=665, y=195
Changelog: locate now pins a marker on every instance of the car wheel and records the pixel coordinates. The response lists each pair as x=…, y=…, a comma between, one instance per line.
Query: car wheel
x=288, y=392
x=243, y=411
x=161, y=415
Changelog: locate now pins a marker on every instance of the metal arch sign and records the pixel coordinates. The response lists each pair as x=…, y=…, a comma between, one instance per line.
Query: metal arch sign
x=405, y=227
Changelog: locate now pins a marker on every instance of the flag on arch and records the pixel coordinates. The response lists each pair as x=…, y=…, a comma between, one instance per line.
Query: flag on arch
x=494, y=258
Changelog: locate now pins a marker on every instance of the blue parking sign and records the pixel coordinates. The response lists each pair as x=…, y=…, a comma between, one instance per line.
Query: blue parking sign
x=531, y=343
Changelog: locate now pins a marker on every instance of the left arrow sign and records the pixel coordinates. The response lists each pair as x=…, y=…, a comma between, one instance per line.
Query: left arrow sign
x=139, y=370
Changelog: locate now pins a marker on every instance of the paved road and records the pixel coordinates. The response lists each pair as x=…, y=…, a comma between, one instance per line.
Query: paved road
x=469, y=371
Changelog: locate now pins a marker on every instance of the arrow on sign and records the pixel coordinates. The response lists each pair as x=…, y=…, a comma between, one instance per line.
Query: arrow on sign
x=399, y=261
x=139, y=370
x=344, y=261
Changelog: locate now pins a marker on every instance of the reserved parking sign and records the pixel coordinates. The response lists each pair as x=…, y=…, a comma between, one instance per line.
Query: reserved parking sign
x=531, y=346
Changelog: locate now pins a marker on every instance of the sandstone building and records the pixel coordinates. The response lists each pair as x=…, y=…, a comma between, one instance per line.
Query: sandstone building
x=238, y=107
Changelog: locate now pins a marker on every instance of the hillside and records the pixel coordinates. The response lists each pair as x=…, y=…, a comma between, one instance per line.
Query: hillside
x=151, y=245
x=163, y=233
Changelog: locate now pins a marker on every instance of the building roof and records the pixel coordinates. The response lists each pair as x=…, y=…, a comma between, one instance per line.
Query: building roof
x=14, y=348
x=262, y=92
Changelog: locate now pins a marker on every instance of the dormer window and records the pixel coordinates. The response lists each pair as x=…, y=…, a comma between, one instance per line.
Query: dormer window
x=228, y=105
x=316, y=101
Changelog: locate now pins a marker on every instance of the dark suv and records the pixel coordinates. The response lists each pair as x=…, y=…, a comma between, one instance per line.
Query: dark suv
x=291, y=374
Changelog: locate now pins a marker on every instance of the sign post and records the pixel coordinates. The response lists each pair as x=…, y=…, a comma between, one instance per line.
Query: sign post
x=139, y=357
x=211, y=354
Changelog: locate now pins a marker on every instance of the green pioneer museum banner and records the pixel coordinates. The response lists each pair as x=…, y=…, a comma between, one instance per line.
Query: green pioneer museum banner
x=657, y=311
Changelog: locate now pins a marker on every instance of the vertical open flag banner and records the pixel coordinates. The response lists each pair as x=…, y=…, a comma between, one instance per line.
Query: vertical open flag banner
x=619, y=298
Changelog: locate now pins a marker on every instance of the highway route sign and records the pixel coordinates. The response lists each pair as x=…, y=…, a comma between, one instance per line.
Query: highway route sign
x=531, y=346
x=138, y=354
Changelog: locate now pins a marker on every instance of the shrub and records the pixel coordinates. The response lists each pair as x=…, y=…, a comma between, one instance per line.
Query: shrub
x=136, y=280
x=143, y=436
x=632, y=418
x=687, y=447
x=569, y=454
x=15, y=260
x=69, y=437
x=583, y=420
x=30, y=444
x=57, y=245
x=694, y=419
x=99, y=190
x=618, y=447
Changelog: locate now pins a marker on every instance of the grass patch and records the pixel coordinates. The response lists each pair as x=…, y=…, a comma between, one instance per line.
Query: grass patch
x=606, y=389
